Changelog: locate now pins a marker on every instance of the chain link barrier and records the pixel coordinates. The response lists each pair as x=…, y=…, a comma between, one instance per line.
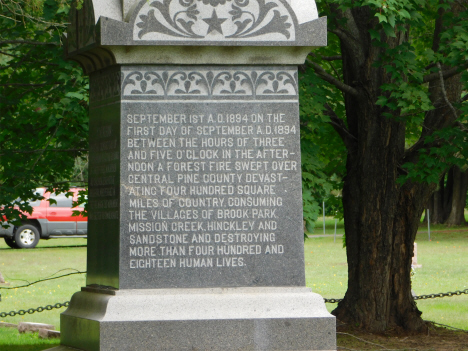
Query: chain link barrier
x=419, y=297
x=33, y=310
x=447, y=294
x=65, y=304
x=333, y=300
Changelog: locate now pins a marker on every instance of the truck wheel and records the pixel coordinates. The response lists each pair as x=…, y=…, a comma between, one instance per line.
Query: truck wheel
x=27, y=236
x=10, y=242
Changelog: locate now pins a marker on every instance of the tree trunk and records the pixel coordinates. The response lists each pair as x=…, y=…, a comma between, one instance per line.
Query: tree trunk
x=447, y=204
x=381, y=221
x=458, y=190
x=381, y=216
x=436, y=205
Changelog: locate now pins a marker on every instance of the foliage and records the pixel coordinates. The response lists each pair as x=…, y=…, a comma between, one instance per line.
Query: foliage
x=323, y=153
x=405, y=97
x=43, y=103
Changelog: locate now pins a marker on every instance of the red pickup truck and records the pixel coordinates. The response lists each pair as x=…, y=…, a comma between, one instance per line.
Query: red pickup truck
x=47, y=221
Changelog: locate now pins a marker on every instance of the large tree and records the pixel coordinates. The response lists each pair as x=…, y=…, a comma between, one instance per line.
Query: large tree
x=43, y=102
x=389, y=83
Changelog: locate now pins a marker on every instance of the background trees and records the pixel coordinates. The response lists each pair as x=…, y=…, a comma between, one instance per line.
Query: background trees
x=390, y=83
x=448, y=202
x=43, y=101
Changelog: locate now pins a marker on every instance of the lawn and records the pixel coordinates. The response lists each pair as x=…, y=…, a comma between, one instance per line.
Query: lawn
x=444, y=268
x=444, y=262
x=11, y=340
x=51, y=258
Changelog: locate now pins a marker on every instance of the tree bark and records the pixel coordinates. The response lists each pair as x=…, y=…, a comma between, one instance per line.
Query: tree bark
x=458, y=190
x=436, y=205
x=381, y=216
x=447, y=204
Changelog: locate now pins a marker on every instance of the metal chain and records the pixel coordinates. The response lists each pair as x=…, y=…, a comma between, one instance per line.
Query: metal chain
x=418, y=297
x=333, y=300
x=65, y=304
x=32, y=310
x=448, y=294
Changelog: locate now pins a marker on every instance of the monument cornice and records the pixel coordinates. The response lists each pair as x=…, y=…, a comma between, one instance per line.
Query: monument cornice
x=150, y=35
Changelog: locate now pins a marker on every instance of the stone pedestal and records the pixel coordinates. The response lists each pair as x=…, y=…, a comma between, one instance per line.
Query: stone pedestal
x=195, y=209
x=198, y=319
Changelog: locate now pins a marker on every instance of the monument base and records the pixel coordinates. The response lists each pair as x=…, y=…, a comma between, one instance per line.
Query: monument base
x=198, y=319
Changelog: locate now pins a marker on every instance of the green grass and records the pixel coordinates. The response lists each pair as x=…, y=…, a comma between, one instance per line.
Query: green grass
x=444, y=262
x=11, y=340
x=22, y=266
x=444, y=268
x=329, y=226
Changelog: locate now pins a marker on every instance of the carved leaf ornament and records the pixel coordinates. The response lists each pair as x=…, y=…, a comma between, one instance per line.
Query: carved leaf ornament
x=210, y=83
x=215, y=20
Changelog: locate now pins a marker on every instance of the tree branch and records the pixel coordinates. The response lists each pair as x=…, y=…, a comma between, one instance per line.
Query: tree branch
x=332, y=58
x=42, y=150
x=48, y=143
x=332, y=80
x=444, y=93
x=9, y=18
x=7, y=54
x=27, y=84
x=464, y=98
x=412, y=153
x=15, y=65
x=446, y=74
x=338, y=124
x=329, y=58
x=340, y=34
x=26, y=42
x=461, y=4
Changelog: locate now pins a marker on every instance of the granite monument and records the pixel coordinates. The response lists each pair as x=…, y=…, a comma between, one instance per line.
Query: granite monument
x=195, y=209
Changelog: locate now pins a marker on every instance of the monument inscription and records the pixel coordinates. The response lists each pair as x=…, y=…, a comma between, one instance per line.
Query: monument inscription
x=209, y=176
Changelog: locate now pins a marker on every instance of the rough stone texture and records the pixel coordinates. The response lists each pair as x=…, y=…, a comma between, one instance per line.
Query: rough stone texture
x=199, y=319
x=8, y=325
x=24, y=327
x=49, y=334
x=2, y=280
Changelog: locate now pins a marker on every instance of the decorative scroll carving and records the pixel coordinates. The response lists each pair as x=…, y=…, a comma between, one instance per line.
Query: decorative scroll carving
x=212, y=84
x=215, y=20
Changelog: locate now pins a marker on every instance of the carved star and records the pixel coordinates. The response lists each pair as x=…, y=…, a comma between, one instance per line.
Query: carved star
x=214, y=23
